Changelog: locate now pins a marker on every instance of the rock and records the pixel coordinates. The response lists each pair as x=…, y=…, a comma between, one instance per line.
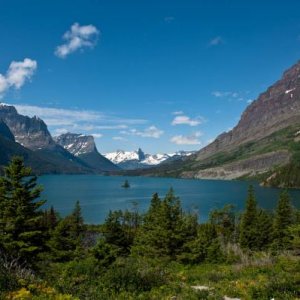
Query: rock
x=84, y=147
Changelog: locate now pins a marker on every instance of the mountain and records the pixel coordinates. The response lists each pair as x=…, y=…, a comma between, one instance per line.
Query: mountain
x=265, y=144
x=11, y=148
x=32, y=134
x=131, y=160
x=83, y=147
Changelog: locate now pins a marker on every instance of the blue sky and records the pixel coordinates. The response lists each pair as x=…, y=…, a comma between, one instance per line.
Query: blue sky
x=160, y=75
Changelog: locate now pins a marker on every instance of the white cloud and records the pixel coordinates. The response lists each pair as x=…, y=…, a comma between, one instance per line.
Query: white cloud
x=77, y=38
x=249, y=101
x=16, y=75
x=119, y=138
x=59, y=131
x=185, y=120
x=176, y=113
x=62, y=120
x=151, y=132
x=192, y=139
x=216, y=41
x=220, y=94
x=97, y=135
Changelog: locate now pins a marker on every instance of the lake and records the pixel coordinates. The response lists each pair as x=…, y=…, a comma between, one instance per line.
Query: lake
x=99, y=194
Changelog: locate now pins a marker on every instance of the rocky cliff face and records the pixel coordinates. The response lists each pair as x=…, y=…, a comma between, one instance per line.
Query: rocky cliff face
x=83, y=147
x=77, y=144
x=31, y=133
x=274, y=109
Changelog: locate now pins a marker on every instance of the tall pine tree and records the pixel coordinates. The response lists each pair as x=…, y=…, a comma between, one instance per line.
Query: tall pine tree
x=166, y=228
x=284, y=216
x=248, y=225
x=20, y=215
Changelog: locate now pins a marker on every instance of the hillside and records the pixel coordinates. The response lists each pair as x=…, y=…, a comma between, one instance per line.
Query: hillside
x=84, y=148
x=265, y=144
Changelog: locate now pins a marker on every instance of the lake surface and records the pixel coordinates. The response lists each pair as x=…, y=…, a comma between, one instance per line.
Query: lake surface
x=99, y=194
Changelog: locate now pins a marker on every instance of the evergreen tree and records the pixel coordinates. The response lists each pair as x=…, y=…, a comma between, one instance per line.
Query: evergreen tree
x=78, y=226
x=50, y=219
x=283, y=219
x=166, y=228
x=248, y=225
x=204, y=247
x=20, y=215
x=66, y=241
x=264, y=232
x=224, y=220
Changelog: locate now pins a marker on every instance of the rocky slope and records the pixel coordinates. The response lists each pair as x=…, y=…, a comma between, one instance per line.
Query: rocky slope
x=32, y=134
x=131, y=160
x=83, y=147
x=264, y=144
x=276, y=108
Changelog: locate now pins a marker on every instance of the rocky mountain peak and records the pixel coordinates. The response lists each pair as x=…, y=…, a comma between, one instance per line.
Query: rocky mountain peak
x=276, y=108
x=77, y=144
x=141, y=154
x=32, y=133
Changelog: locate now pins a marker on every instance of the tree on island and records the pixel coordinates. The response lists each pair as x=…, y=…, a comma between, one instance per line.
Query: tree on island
x=126, y=184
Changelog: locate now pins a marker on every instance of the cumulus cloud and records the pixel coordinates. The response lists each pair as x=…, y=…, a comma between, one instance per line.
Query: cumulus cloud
x=192, y=139
x=216, y=41
x=150, y=132
x=77, y=38
x=17, y=74
x=185, y=120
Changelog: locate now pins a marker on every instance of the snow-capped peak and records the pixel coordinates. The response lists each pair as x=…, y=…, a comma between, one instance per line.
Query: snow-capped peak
x=121, y=157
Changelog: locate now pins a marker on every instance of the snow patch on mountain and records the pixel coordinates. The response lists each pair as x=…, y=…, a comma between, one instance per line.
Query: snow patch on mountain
x=123, y=158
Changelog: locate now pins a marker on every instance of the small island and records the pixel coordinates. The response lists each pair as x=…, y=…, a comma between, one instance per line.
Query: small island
x=126, y=184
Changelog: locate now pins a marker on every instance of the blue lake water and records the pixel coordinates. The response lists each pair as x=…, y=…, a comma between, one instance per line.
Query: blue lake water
x=99, y=194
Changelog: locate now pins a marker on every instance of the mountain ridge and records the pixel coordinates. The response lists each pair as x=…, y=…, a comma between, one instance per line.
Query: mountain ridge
x=265, y=144
x=130, y=160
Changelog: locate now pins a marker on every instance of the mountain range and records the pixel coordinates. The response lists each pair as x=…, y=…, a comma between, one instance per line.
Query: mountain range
x=130, y=160
x=30, y=138
x=265, y=144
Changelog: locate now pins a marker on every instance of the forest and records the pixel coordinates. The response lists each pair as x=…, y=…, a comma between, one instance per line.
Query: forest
x=161, y=253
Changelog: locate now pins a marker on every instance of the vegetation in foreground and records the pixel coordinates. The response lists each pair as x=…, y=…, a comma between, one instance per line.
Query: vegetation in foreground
x=161, y=254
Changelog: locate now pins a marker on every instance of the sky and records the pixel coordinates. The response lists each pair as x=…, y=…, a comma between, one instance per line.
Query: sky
x=162, y=75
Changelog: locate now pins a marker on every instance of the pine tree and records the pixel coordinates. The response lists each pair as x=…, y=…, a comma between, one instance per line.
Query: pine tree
x=66, y=241
x=224, y=220
x=248, y=226
x=264, y=232
x=20, y=215
x=78, y=223
x=283, y=219
x=166, y=228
